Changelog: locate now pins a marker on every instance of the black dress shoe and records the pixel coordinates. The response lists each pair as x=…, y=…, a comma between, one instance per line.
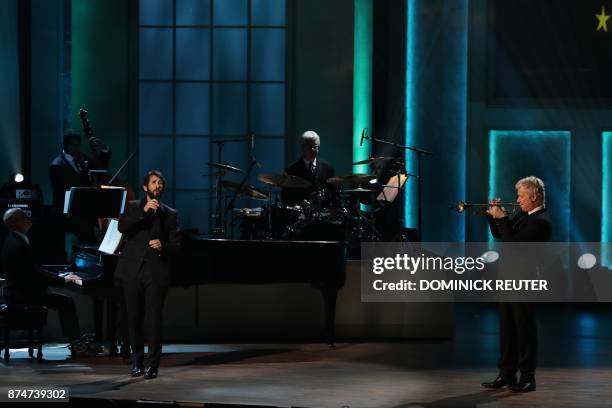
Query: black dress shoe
x=137, y=371
x=150, y=373
x=524, y=386
x=500, y=382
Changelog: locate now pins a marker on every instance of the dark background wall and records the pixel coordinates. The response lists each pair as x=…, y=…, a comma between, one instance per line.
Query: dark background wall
x=48, y=90
x=585, y=118
x=92, y=71
x=323, y=66
x=102, y=66
x=10, y=129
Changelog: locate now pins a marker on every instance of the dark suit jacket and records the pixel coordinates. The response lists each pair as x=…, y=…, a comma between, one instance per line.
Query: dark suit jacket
x=523, y=261
x=138, y=229
x=523, y=227
x=298, y=168
x=64, y=176
x=25, y=283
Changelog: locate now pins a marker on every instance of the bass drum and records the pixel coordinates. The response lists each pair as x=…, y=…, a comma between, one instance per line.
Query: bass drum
x=275, y=223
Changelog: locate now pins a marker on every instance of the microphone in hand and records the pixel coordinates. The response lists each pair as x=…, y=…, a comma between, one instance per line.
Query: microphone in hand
x=151, y=206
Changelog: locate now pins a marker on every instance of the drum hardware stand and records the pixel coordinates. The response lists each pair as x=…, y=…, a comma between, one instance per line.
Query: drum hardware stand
x=218, y=230
x=269, y=233
x=252, y=164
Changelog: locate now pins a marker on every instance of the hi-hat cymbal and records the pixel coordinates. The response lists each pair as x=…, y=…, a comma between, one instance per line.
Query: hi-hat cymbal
x=283, y=180
x=359, y=190
x=372, y=160
x=246, y=190
x=226, y=167
x=351, y=178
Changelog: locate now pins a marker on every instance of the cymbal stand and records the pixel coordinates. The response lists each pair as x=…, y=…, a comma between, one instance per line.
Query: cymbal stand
x=420, y=153
x=269, y=233
x=252, y=164
x=218, y=230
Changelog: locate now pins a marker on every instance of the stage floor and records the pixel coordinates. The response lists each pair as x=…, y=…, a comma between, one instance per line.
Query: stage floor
x=574, y=371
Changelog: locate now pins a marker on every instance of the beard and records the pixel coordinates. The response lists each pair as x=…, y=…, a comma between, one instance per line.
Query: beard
x=154, y=195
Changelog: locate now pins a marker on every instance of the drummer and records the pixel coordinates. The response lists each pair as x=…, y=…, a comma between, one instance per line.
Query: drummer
x=308, y=167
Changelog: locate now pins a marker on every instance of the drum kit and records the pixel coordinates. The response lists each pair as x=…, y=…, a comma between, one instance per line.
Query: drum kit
x=343, y=209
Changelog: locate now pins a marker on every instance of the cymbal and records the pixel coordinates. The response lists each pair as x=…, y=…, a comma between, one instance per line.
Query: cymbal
x=246, y=191
x=225, y=167
x=335, y=181
x=354, y=178
x=373, y=160
x=283, y=180
x=359, y=190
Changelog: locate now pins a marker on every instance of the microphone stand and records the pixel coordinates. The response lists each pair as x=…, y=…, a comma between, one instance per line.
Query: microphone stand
x=420, y=153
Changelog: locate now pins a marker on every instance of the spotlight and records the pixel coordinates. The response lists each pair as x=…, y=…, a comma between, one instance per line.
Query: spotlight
x=587, y=261
x=18, y=178
x=490, y=256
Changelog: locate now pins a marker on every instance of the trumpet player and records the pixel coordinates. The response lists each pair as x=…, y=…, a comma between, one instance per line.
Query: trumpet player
x=518, y=335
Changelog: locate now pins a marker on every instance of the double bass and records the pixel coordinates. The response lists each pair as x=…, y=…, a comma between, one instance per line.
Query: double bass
x=102, y=155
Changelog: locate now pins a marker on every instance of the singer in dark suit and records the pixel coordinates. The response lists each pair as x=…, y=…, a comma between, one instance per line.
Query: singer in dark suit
x=151, y=240
x=310, y=168
x=518, y=335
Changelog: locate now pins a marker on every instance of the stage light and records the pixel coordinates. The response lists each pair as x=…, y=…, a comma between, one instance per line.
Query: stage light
x=587, y=261
x=18, y=178
x=490, y=256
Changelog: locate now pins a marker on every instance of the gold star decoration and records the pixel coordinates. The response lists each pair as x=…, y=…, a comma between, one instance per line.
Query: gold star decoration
x=603, y=20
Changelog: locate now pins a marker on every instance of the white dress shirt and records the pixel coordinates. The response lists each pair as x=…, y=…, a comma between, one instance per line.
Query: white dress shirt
x=535, y=209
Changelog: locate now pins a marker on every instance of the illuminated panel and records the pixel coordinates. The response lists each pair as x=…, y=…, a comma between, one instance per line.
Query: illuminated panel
x=410, y=209
x=514, y=154
x=606, y=197
x=362, y=80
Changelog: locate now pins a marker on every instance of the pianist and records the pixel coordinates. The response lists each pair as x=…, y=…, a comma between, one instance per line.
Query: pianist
x=151, y=238
x=26, y=285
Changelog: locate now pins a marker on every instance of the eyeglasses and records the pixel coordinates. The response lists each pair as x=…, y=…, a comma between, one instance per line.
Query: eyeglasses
x=313, y=147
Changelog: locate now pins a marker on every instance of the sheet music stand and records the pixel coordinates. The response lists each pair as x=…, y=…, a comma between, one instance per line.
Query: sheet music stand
x=392, y=188
x=92, y=202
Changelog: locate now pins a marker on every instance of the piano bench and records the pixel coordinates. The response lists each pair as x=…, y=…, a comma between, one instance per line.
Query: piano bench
x=23, y=317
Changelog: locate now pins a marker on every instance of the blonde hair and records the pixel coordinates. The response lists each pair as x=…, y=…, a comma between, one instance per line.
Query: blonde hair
x=310, y=135
x=535, y=186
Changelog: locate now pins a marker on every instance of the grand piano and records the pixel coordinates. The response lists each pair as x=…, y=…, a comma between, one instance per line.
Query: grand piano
x=321, y=264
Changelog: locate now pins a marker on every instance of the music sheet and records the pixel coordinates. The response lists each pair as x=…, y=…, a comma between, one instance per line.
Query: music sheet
x=112, y=238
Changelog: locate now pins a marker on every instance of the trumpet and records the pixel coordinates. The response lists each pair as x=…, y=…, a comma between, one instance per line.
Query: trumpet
x=481, y=209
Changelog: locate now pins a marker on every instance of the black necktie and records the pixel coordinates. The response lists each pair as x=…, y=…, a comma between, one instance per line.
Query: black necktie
x=313, y=169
